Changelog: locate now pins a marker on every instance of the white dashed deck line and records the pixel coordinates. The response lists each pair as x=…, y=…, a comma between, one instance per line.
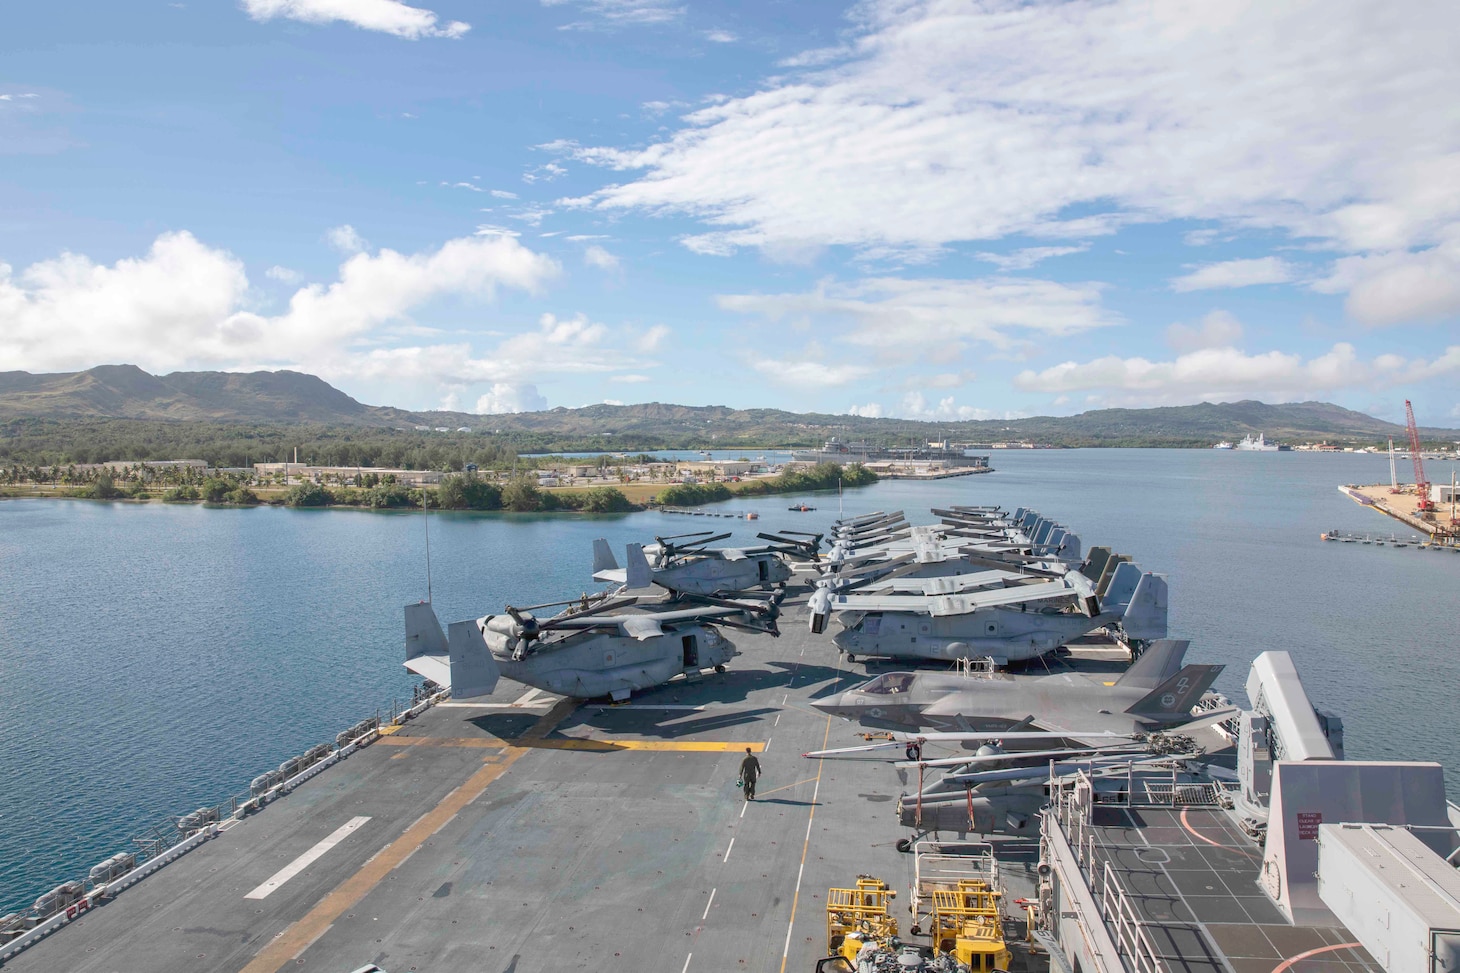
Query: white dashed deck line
x=308, y=858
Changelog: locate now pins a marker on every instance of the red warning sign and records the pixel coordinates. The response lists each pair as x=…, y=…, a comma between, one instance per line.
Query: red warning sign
x=1308, y=822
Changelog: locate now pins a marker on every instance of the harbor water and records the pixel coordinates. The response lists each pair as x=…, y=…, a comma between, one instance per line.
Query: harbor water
x=157, y=657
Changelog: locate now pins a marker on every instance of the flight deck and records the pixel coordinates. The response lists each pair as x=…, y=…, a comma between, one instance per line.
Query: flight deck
x=521, y=832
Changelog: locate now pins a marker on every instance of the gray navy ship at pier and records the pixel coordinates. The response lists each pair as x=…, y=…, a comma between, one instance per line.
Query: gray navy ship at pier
x=522, y=831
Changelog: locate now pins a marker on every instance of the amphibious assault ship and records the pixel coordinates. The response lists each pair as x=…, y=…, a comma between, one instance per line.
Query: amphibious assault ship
x=524, y=831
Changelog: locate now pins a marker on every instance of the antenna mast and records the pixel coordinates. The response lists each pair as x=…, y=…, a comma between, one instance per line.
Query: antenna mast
x=1393, y=476
x=427, y=521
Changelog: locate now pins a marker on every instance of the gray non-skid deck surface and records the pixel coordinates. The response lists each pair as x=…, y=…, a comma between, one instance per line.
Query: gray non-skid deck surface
x=608, y=859
x=1192, y=876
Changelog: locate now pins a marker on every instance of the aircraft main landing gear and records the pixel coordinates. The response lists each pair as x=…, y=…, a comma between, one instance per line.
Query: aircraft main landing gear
x=719, y=668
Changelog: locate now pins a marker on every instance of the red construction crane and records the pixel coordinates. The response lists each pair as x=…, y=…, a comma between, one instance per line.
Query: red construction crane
x=1421, y=485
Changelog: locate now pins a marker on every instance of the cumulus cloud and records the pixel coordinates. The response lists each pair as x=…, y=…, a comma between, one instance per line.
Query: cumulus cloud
x=619, y=13
x=504, y=398
x=386, y=16
x=720, y=37
x=1028, y=256
x=1217, y=330
x=596, y=256
x=809, y=374
x=940, y=121
x=910, y=315
x=915, y=406
x=1389, y=288
x=1235, y=273
x=283, y=275
x=557, y=346
x=872, y=410
x=1218, y=374
x=347, y=240
x=651, y=339
x=186, y=304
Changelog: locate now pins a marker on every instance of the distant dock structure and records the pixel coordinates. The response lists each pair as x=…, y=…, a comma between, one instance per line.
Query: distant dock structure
x=1441, y=523
x=929, y=455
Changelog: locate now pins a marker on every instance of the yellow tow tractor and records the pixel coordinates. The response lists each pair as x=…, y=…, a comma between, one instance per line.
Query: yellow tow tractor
x=966, y=924
x=857, y=916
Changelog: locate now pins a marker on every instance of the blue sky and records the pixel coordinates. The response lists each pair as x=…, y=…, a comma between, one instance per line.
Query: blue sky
x=922, y=209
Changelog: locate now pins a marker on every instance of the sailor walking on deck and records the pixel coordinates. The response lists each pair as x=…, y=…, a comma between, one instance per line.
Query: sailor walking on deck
x=749, y=771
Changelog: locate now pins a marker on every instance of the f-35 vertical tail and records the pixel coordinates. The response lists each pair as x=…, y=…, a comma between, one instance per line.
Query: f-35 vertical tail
x=1159, y=662
x=1175, y=697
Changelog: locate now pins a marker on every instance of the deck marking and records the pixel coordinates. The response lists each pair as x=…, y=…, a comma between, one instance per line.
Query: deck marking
x=1195, y=833
x=786, y=787
x=303, y=933
x=707, y=906
x=727, y=849
x=778, y=720
x=536, y=704
x=784, y=698
x=805, y=847
x=767, y=747
x=606, y=746
x=743, y=806
x=489, y=743
x=308, y=858
x=1287, y=964
x=686, y=962
x=527, y=697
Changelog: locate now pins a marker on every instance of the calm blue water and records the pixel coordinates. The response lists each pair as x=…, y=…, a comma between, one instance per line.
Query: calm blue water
x=155, y=658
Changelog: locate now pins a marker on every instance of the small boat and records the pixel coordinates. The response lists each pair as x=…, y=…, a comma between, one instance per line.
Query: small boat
x=800, y=508
x=1223, y=445
x=752, y=515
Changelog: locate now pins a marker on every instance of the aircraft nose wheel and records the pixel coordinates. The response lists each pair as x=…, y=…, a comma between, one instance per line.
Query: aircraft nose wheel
x=719, y=668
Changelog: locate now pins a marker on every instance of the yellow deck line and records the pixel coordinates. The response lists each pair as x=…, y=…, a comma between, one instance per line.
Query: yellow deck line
x=607, y=746
x=492, y=742
x=579, y=743
x=302, y=934
x=805, y=848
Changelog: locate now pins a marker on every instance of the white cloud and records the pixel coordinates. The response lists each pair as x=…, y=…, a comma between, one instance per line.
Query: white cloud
x=872, y=410
x=346, y=240
x=18, y=96
x=532, y=216
x=505, y=398
x=1218, y=329
x=812, y=374
x=1225, y=374
x=630, y=378
x=620, y=13
x=1028, y=257
x=651, y=339
x=386, y=16
x=465, y=185
x=504, y=194
x=720, y=37
x=910, y=315
x=613, y=402
x=1389, y=288
x=184, y=304
x=1235, y=273
x=283, y=275
x=942, y=121
x=596, y=256
x=914, y=406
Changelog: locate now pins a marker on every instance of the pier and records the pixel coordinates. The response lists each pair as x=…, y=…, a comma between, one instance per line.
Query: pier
x=1442, y=531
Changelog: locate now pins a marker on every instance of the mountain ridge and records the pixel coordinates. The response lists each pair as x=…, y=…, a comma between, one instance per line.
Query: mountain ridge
x=288, y=397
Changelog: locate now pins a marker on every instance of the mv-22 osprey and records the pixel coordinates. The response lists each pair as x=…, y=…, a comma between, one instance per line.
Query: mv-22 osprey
x=685, y=564
x=597, y=650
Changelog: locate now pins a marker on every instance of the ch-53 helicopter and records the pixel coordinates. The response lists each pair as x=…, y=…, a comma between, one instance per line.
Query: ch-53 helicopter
x=686, y=565
x=596, y=650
